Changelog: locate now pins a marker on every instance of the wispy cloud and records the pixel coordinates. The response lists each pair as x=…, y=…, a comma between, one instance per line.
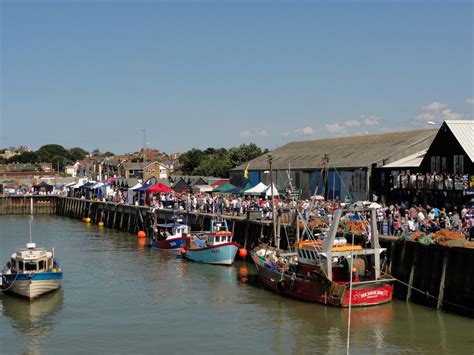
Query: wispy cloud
x=371, y=121
x=434, y=106
x=469, y=101
x=437, y=112
x=305, y=131
x=343, y=127
x=335, y=127
x=249, y=133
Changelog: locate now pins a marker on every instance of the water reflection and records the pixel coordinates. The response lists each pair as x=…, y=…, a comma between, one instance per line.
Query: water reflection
x=33, y=319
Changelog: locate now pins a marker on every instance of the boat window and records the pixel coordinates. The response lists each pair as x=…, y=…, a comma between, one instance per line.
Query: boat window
x=20, y=265
x=41, y=265
x=30, y=266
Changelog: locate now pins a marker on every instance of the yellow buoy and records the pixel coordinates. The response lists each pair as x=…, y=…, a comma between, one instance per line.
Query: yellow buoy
x=88, y=220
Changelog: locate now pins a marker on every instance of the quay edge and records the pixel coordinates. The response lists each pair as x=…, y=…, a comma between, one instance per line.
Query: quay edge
x=444, y=276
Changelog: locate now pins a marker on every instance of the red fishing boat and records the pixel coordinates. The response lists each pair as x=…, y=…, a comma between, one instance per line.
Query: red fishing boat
x=329, y=270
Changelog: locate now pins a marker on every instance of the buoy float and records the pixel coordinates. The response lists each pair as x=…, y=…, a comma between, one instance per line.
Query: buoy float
x=88, y=220
x=182, y=251
x=141, y=234
x=243, y=252
x=83, y=219
x=100, y=224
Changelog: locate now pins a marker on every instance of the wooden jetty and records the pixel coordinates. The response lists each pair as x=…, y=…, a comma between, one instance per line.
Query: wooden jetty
x=433, y=275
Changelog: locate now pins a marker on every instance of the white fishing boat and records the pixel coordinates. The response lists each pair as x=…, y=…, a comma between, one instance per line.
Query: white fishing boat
x=32, y=272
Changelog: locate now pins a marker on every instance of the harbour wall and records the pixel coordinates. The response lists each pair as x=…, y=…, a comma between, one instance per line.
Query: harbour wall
x=433, y=276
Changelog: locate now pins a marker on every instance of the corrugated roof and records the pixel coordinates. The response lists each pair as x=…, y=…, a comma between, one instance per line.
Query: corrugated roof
x=463, y=130
x=411, y=161
x=346, y=152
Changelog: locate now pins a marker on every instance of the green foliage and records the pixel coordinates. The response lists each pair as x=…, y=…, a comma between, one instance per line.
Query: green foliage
x=217, y=162
x=77, y=153
x=58, y=162
x=108, y=154
x=95, y=152
x=25, y=158
x=191, y=160
x=47, y=152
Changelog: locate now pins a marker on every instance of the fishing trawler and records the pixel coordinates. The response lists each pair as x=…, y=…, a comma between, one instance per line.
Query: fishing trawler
x=213, y=247
x=32, y=272
x=171, y=236
x=330, y=270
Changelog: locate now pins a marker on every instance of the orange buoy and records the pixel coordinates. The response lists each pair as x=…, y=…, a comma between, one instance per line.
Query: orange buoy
x=88, y=220
x=182, y=251
x=243, y=252
x=83, y=219
x=100, y=224
x=141, y=242
x=141, y=234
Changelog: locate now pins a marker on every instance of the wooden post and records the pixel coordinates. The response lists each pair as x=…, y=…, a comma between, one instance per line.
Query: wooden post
x=442, y=281
x=412, y=272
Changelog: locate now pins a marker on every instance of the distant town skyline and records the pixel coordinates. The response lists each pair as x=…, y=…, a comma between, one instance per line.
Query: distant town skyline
x=94, y=74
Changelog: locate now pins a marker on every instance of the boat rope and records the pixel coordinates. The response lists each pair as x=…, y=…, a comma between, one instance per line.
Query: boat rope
x=424, y=292
x=350, y=298
x=11, y=284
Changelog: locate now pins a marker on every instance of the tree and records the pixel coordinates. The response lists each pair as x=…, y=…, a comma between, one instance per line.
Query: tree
x=191, y=160
x=109, y=154
x=47, y=152
x=25, y=157
x=77, y=153
x=95, y=152
x=58, y=162
x=245, y=153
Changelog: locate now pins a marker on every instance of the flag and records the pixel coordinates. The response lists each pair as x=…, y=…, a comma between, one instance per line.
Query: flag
x=246, y=172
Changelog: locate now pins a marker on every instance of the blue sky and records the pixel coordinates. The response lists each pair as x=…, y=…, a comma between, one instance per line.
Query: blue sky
x=221, y=73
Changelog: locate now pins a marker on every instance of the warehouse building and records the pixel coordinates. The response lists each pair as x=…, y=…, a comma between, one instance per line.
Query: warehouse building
x=338, y=167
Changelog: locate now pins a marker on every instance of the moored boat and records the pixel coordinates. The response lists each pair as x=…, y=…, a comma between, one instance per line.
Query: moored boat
x=171, y=236
x=213, y=247
x=32, y=272
x=330, y=271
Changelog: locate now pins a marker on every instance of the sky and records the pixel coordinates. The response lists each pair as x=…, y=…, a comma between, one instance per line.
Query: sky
x=177, y=75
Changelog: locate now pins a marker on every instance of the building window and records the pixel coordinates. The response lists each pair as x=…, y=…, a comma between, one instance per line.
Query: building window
x=458, y=165
x=436, y=164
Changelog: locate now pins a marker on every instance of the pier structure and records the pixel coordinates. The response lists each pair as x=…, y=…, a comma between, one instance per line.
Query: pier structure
x=434, y=276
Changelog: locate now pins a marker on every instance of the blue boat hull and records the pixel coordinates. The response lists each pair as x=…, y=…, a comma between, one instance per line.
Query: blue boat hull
x=32, y=286
x=220, y=255
x=171, y=244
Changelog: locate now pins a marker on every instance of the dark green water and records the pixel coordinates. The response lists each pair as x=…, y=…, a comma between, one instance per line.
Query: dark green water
x=121, y=297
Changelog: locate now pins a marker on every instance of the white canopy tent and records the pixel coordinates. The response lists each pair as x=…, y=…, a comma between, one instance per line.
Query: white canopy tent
x=268, y=191
x=259, y=189
x=130, y=192
x=202, y=188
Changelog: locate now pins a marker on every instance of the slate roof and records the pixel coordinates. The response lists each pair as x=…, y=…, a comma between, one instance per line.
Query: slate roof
x=346, y=152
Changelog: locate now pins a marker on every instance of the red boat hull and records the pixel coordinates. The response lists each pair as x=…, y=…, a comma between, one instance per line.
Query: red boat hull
x=314, y=289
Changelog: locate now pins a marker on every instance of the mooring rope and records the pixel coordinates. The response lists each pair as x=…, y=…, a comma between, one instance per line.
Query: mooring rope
x=424, y=292
x=10, y=286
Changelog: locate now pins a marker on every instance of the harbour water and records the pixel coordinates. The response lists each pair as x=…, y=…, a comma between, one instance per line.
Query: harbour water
x=119, y=296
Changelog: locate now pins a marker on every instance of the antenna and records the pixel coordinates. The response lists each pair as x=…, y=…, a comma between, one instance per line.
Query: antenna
x=144, y=145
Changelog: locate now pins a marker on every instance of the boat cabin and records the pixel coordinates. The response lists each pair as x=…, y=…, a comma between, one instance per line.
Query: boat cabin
x=172, y=231
x=220, y=233
x=31, y=260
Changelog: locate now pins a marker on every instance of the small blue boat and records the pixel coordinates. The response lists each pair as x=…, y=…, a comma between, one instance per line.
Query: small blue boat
x=170, y=236
x=32, y=272
x=213, y=247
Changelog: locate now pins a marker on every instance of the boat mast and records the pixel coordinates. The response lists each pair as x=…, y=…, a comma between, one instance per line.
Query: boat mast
x=275, y=235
